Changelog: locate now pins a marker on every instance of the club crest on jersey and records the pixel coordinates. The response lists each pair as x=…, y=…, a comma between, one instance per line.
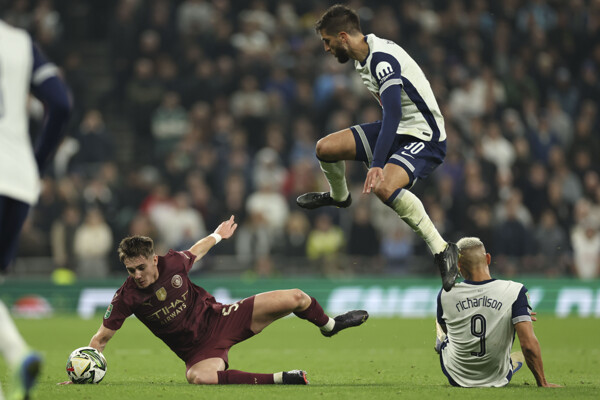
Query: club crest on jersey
x=176, y=281
x=161, y=294
x=383, y=71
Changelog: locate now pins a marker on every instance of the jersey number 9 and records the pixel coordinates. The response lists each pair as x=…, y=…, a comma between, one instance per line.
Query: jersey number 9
x=478, y=330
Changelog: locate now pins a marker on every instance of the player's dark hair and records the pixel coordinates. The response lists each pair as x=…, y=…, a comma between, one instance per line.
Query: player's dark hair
x=338, y=18
x=135, y=246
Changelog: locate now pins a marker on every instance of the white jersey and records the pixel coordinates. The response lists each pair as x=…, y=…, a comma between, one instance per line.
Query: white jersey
x=19, y=177
x=388, y=64
x=480, y=318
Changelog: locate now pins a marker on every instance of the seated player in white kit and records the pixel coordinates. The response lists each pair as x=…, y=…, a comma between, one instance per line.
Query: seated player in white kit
x=476, y=324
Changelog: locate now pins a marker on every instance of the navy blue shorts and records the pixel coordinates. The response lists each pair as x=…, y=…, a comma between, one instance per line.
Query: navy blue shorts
x=419, y=158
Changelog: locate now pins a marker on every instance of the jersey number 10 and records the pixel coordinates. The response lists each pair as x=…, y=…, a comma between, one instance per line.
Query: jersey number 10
x=478, y=330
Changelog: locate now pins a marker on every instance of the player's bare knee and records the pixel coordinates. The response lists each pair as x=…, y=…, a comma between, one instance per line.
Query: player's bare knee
x=324, y=150
x=201, y=377
x=320, y=148
x=300, y=299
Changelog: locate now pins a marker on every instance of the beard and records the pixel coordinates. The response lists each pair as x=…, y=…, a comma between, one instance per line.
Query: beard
x=341, y=55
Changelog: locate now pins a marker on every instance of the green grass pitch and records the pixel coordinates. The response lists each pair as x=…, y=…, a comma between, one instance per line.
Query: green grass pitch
x=385, y=358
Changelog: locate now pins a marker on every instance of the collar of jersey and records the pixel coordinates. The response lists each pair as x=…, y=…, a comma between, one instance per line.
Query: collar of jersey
x=362, y=64
x=479, y=282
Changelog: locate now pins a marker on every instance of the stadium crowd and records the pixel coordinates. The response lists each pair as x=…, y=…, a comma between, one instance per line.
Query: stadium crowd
x=220, y=104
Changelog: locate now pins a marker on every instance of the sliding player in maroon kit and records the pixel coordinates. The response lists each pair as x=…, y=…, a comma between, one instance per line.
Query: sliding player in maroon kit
x=192, y=323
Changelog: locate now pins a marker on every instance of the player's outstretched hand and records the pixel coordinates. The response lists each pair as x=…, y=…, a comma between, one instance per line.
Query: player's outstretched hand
x=374, y=175
x=227, y=228
x=65, y=383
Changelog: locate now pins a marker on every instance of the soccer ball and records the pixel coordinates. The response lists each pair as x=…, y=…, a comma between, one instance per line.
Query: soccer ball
x=86, y=365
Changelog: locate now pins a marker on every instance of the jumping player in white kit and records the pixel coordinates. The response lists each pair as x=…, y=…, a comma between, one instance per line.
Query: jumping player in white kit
x=23, y=69
x=476, y=324
x=405, y=146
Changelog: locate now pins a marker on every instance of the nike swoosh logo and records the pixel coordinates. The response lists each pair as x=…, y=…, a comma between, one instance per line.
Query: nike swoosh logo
x=419, y=223
x=407, y=155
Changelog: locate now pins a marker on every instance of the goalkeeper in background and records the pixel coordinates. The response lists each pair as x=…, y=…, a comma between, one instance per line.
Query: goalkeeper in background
x=23, y=69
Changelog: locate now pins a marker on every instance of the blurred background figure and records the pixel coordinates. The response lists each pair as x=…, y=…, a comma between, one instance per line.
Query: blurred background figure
x=92, y=242
x=324, y=246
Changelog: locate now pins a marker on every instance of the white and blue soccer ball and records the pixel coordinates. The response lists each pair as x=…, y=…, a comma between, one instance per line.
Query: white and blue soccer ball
x=86, y=365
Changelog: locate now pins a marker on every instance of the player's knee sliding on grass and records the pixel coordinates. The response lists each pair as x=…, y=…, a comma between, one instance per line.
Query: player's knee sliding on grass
x=267, y=308
x=193, y=324
x=406, y=145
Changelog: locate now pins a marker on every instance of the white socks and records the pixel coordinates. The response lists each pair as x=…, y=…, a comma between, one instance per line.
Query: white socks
x=335, y=172
x=12, y=345
x=328, y=327
x=278, y=377
x=411, y=210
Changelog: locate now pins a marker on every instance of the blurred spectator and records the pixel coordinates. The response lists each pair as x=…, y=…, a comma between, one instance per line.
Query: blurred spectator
x=95, y=144
x=169, y=124
x=143, y=93
x=194, y=17
x=250, y=106
x=324, y=245
x=363, y=241
x=535, y=189
x=397, y=248
x=497, y=149
x=559, y=122
x=585, y=238
x=251, y=41
x=19, y=15
x=512, y=238
x=62, y=237
x=178, y=224
x=293, y=243
x=268, y=168
x=552, y=246
x=253, y=242
x=570, y=183
x=92, y=243
x=271, y=204
x=33, y=242
x=122, y=31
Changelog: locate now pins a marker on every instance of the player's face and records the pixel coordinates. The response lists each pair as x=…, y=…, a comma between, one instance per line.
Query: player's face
x=144, y=271
x=333, y=45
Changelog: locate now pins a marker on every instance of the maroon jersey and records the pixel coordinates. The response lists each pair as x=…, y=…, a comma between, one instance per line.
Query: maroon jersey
x=173, y=308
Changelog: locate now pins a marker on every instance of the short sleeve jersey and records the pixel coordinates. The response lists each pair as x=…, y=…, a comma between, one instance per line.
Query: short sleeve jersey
x=173, y=308
x=480, y=318
x=389, y=64
x=22, y=66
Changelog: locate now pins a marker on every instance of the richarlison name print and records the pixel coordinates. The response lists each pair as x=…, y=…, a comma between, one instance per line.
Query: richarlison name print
x=483, y=301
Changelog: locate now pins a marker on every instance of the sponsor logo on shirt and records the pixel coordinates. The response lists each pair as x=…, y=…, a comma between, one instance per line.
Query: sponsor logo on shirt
x=176, y=281
x=161, y=294
x=383, y=71
x=170, y=311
